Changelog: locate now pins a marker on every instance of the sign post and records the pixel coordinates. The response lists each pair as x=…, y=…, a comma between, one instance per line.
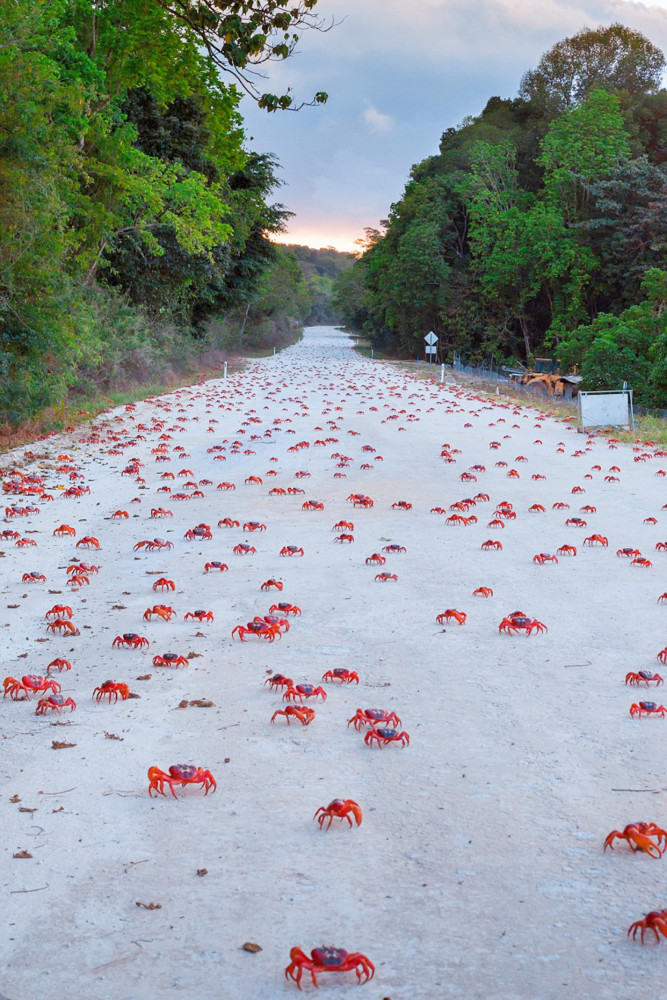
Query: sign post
x=431, y=341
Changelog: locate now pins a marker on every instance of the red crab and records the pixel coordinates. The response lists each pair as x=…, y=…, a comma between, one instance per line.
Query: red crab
x=544, y=557
x=371, y=717
x=243, y=549
x=164, y=584
x=491, y=543
x=655, y=921
x=647, y=708
x=385, y=577
x=483, y=592
x=216, y=564
x=31, y=683
x=254, y=526
x=113, y=690
x=278, y=681
x=537, y=508
x=597, y=540
x=201, y=616
x=163, y=611
x=349, y=526
x=643, y=677
x=576, y=522
x=130, y=640
x=383, y=736
x=341, y=674
x=59, y=610
x=64, y=529
x=286, y=609
x=157, y=512
x=401, y=505
x=88, y=543
x=302, y=691
x=253, y=480
x=170, y=660
x=56, y=702
x=393, y=548
x=33, y=577
x=259, y=628
x=344, y=539
x=153, y=545
x=375, y=560
x=179, y=774
x=638, y=837
x=62, y=625
x=328, y=959
x=641, y=561
x=277, y=584
x=227, y=522
x=338, y=809
x=517, y=622
x=451, y=615
x=293, y=550
x=59, y=664
x=304, y=715
x=312, y=505
x=200, y=531
x=567, y=550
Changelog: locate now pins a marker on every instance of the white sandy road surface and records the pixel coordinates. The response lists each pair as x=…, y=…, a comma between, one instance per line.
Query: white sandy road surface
x=478, y=870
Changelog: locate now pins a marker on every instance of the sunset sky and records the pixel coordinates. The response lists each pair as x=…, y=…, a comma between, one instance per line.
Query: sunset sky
x=398, y=74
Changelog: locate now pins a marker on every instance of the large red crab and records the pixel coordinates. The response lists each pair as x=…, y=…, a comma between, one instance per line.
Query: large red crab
x=341, y=674
x=56, y=702
x=304, y=715
x=638, y=837
x=113, y=690
x=338, y=809
x=130, y=640
x=643, y=677
x=29, y=684
x=647, y=708
x=383, y=736
x=654, y=921
x=371, y=717
x=519, y=622
x=179, y=774
x=328, y=959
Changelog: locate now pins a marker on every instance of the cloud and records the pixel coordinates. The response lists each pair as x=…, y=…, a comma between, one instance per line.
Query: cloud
x=376, y=121
x=427, y=64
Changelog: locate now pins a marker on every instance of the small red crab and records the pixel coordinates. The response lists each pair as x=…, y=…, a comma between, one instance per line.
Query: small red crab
x=30, y=684
x=375, y=560
x=451, y=615
x=597, y=540
x=56, y=702
x=518, y=622
x=303, y=714
x=33, y=577
x=179, y=774
x=544, y=557
x=254, y=526
x=153, y=545
x=567, y=550
x=216, y=564
x=647, y=708
x=163, y=611
x=576, y=522
x=88, y=543
x=338, y=809
x=200, y=531
x=383, y=736
x=302, y=691
x=259, y=628
x=638, y=837
x=278, y=681
x=385, y=577
x=130, y=640
x=641, y=561
x=341, y=674
x=483, y=592
x=401, y=505
x=328, y=959
x=59, y=664
x=170, y=660
x=268, y=584
x=200, y=616
x=292, y=550
x=343, y=526
x=655, y=921
x=112, y=690
x=491, y=543
x=228, y=522
x=164, y=584
x=643, y=677
x=371, y=717
x=312, y=505
x=343, y=539
x=286, y=609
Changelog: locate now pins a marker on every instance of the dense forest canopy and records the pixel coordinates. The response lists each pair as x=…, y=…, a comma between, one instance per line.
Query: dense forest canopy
x=133, y=219
x=540, y=226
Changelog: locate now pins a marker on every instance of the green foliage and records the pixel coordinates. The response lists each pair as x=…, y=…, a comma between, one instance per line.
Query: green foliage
x=122, y=165
x=535, y=228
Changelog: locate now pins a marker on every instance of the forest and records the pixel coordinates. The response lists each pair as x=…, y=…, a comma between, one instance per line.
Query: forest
x=137, y=228
x=539, y=228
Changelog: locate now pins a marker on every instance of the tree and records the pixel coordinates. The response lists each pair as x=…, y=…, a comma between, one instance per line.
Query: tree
x=614, y=59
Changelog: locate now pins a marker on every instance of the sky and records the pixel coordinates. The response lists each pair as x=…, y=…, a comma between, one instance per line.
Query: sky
x=398, y=73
